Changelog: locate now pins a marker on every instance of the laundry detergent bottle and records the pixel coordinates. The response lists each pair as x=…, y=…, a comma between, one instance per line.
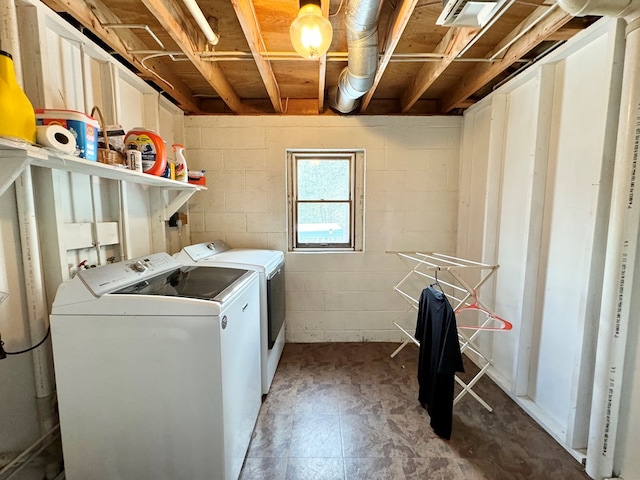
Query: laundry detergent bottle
x=182, y=174
x=17, y=118
x=152, y=148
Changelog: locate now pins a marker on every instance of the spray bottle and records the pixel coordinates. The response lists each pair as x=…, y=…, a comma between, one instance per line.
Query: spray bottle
x=182, y=174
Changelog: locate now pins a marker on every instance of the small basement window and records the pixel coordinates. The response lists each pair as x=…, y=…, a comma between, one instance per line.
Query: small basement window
x=326, y=200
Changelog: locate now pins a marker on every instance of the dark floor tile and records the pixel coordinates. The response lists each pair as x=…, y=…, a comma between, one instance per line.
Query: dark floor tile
x=332, y=377
x=315, y=469
x=366, y=436
x=366, y=352
x=558, y=468
x=372, y=469
x=316, y=436
x=431, y=468
x=318, y=398
x=504, y=469
x=283, y=393
x=264, y=469
x=360, y=400
x=271, y=436
x=398, y=398
x=289, y=367
x=352, y=400
x=318, y=354
x=371, y=374
x=413, y=437
x=503, y=465
x=470, y=471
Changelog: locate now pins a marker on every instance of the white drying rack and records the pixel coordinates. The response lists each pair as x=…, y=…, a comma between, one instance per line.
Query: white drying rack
x=462, y=294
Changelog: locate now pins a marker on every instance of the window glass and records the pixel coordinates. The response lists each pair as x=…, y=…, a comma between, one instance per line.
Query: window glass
x=322, y=179
x=326, y=195
x=323, y=223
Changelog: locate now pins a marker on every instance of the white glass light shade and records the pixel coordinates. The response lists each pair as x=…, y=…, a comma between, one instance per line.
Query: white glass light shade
x=310, y=32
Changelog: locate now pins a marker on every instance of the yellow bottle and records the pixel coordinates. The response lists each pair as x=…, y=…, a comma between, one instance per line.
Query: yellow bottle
x=17, y=118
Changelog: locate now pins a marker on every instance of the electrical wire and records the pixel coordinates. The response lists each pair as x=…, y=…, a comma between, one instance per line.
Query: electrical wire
x=150, y=70
x=19, y=352
x=337, y=11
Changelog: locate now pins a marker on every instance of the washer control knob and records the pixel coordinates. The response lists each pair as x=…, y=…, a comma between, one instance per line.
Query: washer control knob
x=211, y=246
x=139, y=266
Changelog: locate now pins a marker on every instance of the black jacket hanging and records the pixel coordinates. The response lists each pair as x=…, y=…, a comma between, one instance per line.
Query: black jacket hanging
x=439, y=358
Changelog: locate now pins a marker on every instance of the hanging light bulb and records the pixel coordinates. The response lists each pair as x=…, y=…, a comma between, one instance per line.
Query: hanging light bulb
x=310, y=32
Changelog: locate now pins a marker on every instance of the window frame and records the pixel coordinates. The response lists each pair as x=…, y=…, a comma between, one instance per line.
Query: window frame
x=356, y=159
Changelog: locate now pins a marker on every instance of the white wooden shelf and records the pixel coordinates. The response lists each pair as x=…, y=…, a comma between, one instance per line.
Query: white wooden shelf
x=16, y=155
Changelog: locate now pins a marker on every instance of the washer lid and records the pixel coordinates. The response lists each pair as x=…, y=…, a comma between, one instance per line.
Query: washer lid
x=249, y=258
x=203, y=251
x=204, y=283
x=267, y=259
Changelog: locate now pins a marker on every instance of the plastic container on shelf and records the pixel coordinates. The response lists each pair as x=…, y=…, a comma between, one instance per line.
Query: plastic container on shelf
x=17, y=119
x=151, y=146
x=83, y=127
x=182, y=173
x=197, y=178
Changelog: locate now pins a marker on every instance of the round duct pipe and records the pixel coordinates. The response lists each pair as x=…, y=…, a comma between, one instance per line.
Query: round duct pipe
x=361, y=21
x=609, y=8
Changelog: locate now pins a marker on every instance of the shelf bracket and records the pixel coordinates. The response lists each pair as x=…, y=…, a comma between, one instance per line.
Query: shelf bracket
x=180, y=199
x=12, y=167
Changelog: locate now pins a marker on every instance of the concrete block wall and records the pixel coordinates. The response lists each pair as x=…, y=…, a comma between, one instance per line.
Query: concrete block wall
x=411, y=197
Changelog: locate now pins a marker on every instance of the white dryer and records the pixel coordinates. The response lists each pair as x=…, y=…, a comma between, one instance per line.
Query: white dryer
x=156, y=371
x=270, y=267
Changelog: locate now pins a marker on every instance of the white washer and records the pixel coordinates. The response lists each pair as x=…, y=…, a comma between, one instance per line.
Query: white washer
x=270, y=266
x=155, y=371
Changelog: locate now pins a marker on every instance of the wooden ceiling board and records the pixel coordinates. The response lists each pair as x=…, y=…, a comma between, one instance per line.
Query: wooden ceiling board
x=396, y=79
x=275, y=17
x=125, y=12
x=333, y=70
x=297, y=79
x=256, y=84
x=454, y=72
x=221, y=15
x=193, y=78
x=245, y=79
x=421, y=34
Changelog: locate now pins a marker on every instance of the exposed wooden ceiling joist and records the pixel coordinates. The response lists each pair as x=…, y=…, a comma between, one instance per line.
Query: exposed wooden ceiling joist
x=539, y=26
x=322, y=81
x=451, y=45
x=398, y=24
x=247, y=17
x=322, y=64
x=413, y=78
x=93, y=14
x=192, y=42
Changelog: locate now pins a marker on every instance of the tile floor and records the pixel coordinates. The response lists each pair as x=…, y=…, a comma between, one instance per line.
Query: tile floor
x=348, y=411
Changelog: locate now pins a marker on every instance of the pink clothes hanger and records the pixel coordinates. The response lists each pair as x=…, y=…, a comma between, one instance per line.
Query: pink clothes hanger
x=502, y=324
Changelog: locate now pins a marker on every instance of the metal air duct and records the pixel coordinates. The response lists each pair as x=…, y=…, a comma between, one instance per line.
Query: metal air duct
x=361, y=21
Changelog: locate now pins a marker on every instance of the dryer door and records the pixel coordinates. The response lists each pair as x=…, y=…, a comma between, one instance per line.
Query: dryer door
x=275, y=303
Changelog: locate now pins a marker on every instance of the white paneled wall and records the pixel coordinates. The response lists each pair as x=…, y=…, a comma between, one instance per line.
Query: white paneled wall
x=62, y=69
x=18, y=423
x=536, y=167
x=411, y=177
